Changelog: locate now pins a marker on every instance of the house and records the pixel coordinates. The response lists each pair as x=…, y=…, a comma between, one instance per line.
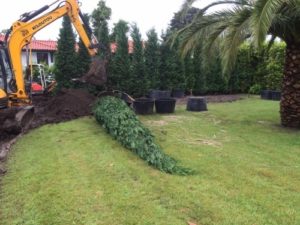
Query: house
x=42, y=51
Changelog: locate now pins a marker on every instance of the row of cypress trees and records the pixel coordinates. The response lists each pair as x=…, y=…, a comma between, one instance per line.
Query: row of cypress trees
x=155, y=65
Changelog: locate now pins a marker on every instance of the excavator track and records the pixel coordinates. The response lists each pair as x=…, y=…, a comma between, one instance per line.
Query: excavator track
x=15, y=120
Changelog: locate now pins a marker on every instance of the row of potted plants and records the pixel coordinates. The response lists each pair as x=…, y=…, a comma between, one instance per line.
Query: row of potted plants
x=145, y=106
x=176, y=93
x=270, y=95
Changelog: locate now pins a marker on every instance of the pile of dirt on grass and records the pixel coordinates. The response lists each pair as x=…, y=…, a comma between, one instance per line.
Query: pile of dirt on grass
x=68, y=104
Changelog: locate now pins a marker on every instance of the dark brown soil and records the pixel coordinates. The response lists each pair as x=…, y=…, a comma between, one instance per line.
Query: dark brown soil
x=67, y=105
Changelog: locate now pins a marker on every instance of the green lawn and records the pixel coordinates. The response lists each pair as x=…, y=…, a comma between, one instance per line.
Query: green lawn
x=247, y=172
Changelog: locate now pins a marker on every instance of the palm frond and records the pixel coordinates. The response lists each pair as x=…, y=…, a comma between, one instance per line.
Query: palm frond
x=263, y=14
x=237, y=33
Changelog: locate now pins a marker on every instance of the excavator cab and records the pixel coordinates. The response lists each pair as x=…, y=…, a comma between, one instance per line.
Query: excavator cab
x=5, y=74
x=12, y=119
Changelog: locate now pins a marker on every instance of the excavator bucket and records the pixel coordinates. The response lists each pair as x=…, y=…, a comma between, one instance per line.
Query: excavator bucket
x=14, y=121
x=97, y=73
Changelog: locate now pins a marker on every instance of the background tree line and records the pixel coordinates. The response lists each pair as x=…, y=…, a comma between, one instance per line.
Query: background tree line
x=156, y=63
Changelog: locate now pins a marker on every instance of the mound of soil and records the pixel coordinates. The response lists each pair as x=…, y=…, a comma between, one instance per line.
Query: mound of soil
x=67, y=105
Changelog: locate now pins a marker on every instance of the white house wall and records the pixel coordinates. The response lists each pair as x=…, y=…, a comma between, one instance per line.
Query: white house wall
x=24, y=59
x=34, y=58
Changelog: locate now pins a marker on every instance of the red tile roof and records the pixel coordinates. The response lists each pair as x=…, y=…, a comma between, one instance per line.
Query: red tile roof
x=113, y=47
x=43, y=45
x=40, y=45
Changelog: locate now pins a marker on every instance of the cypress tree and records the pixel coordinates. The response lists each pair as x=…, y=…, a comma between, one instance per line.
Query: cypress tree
x=83, y=56
x=65, y=59
x=138, y=83
x=152, y=59
x=83, y=59
x=100, y=17
x=189, y=73
x=171, y=73
x=200, y=86
x=120, y=63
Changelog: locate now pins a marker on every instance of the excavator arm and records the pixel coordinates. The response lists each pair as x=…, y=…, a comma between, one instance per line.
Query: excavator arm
x=15, y=102
x=23, y=30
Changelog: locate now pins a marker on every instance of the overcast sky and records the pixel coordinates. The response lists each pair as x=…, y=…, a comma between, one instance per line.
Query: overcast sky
x=146, y=13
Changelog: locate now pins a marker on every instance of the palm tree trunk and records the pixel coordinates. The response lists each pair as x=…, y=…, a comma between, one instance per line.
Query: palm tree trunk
x=290, y=100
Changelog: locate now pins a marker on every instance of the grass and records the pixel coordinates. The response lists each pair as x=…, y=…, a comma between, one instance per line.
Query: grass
x=247, y=172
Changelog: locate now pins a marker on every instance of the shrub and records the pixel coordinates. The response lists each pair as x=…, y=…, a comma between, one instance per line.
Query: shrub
x=255, y=89
x=121, y=123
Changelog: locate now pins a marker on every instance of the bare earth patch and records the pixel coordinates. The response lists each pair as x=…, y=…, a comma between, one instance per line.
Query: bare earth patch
x=216, y=98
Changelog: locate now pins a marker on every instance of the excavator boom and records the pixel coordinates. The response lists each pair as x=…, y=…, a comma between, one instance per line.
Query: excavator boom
x=15, y=97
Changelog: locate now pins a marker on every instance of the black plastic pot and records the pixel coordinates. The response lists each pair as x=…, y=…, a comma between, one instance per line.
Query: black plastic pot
x=266, y=94
x=196, y=104
x=143, y=106
x=156, y=94
x=176, y=93
x=165, y=105
x=276, y=95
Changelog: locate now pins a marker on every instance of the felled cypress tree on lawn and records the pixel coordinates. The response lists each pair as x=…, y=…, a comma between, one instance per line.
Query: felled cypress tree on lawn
x=138, y=84
x=65, y=58
x=152, y=59
x=120, y=63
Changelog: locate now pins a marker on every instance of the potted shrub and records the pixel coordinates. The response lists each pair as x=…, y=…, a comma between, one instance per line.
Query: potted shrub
x=165, y=105
x=266, y=94
x=143, y=106
x=196, y=104
x=276, y=95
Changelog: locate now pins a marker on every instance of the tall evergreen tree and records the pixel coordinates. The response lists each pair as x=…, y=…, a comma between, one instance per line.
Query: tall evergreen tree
x=189, y=72
x=65, y=59
x=83, y=59
x=83, y=56
x=120, y=63
x=152, y=59
x=100, y=17
x=172, y=70
x=138, y=84
x=200, y=86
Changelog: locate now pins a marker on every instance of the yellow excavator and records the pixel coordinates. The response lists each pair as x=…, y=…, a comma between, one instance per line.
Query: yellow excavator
x=16, y=108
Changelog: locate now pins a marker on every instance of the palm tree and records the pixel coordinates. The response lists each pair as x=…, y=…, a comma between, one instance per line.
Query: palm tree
x=251, y=20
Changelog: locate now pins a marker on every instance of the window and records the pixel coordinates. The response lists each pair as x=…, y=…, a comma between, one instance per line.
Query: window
x=42, y=57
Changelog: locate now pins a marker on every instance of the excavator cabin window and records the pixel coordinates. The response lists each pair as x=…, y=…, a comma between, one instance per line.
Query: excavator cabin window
x=5, y=72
